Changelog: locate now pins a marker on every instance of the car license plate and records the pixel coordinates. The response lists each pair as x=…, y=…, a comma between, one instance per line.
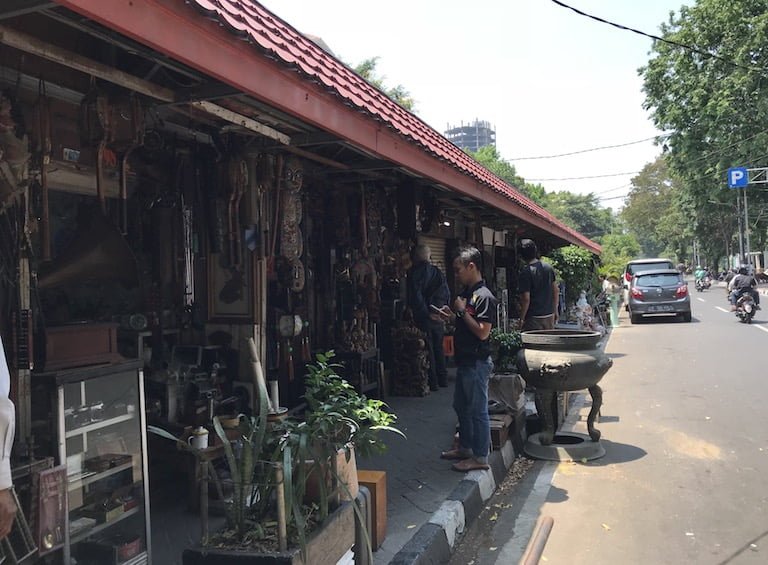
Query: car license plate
x=660, y=308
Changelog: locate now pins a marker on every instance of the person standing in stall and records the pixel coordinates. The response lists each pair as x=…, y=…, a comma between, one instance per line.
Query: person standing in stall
x=7, y=433
x=539, y=291
x=474, y=312
x=427, y=294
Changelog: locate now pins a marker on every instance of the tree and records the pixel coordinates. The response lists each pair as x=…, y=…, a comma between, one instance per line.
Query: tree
x=582, y=212
x=575, y=268
x=713, y=104
x=618, y=250
x=367, y=70
x=655, y=212
x=489, y=158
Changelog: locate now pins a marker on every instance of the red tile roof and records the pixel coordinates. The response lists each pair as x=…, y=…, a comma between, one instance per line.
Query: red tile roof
x=251, y=21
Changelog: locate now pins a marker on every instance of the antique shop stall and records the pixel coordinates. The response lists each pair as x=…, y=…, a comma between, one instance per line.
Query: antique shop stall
x=168, y=191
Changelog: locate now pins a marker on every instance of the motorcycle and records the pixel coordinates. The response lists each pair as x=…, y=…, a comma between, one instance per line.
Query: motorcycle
x=703, y=284
x=746, y=308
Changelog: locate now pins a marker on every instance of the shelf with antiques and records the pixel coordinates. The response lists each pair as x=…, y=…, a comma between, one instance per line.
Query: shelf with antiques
x=100, y=437
x=361, y=369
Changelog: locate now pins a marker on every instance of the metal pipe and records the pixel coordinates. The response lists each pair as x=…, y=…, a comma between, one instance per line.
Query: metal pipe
x=538, y=540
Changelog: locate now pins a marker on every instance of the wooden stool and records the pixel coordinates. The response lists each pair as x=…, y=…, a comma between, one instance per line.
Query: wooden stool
x=376, y=482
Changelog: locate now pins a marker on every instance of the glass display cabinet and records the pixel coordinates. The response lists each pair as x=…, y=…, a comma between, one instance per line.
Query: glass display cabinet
x=101, y=437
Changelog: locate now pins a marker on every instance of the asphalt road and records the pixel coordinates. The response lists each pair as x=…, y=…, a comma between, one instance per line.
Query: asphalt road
x=685, y=477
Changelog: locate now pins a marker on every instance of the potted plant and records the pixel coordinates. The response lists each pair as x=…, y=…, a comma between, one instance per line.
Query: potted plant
x=505, y=345
x=269, y=469
x=338, y=423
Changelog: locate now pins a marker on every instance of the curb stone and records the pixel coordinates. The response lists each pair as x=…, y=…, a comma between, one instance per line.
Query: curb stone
x=434, y=541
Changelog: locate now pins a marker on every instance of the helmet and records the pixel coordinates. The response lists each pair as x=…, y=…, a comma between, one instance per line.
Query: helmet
x=698, y=266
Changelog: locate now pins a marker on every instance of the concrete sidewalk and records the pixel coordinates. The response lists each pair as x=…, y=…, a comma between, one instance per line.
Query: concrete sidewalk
x=429, y=504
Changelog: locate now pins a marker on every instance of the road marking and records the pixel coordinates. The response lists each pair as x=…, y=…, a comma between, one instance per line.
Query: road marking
x=760, y=328
x=700, y=299
x=722, y=309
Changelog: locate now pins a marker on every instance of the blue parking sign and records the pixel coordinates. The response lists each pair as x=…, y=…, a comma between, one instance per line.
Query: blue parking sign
x=737, y=177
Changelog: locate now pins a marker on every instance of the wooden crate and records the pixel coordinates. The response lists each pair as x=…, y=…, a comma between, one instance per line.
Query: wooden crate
x=500, y=424
x=376, y=482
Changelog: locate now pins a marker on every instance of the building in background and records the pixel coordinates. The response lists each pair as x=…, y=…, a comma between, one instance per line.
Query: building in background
x=472, y=136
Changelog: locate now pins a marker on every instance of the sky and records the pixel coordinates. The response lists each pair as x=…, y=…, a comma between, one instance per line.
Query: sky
x=549, y=81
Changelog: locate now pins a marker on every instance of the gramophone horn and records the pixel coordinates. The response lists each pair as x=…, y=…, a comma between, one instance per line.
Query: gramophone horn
x=98, y=252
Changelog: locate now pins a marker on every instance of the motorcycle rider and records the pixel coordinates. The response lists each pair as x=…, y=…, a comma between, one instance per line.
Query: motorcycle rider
x=700, y=275
x=741, y=284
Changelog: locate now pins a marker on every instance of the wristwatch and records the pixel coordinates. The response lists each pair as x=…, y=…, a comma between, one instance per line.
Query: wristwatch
x=460, y=313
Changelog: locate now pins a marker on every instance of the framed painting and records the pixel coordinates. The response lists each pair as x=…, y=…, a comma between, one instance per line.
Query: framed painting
x=230, y=290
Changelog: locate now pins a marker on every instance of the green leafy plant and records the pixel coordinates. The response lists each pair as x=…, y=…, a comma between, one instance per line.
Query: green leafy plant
x=339, y=416
x=575, y=266
x=506, y=344
x=336, y=419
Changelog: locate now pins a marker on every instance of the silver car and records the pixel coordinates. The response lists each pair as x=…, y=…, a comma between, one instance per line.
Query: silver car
x=657, y=292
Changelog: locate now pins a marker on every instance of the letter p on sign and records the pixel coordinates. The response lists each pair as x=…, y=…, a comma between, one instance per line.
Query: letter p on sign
x=737, y=177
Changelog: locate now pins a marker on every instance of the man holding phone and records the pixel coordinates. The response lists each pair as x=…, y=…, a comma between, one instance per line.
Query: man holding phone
x=474, y=311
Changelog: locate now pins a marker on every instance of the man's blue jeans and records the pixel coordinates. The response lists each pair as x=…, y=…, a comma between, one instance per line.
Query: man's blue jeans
x=470, y=401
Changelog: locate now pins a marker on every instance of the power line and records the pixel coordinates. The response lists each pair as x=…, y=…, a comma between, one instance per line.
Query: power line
x=658, y=38
x=589, y=177
x=692, y=161
x=588, y=150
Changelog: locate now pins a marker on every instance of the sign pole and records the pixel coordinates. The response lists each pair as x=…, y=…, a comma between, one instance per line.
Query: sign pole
x=741, y=230
x=746, y=229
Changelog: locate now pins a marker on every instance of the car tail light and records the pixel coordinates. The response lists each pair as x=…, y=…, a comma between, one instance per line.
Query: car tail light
x=627, y=276
x=681, y=291
x=637, y=294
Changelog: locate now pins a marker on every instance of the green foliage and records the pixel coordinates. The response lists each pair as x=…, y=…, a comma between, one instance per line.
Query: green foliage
x=506, y=344
x=618, y=249
x=575, y=268
x=367, y=70
x=340, y=416
x=713, y=112
x=582, y=212
x=489, y=158
x=654, y=212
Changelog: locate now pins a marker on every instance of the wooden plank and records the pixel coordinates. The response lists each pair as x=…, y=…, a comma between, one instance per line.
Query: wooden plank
x=376, y=482
x=240, y=120
x=335, y=539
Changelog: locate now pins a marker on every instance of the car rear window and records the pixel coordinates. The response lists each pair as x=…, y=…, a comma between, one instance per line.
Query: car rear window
x=640, y=267
x=658, y=280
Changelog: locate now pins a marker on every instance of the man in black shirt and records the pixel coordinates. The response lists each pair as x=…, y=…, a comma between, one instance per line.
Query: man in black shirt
x=427, y=288
x=474, y=311
x=539, y=293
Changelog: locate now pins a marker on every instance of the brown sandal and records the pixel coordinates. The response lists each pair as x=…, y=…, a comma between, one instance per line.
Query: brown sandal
x=470, y=464
x=454, y=454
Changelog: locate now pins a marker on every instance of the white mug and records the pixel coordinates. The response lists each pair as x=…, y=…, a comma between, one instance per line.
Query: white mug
x=199, y=438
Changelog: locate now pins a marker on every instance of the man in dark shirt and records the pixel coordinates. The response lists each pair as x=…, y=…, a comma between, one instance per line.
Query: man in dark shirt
x=539, y=292
x=474, y=311
x=427, y=288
